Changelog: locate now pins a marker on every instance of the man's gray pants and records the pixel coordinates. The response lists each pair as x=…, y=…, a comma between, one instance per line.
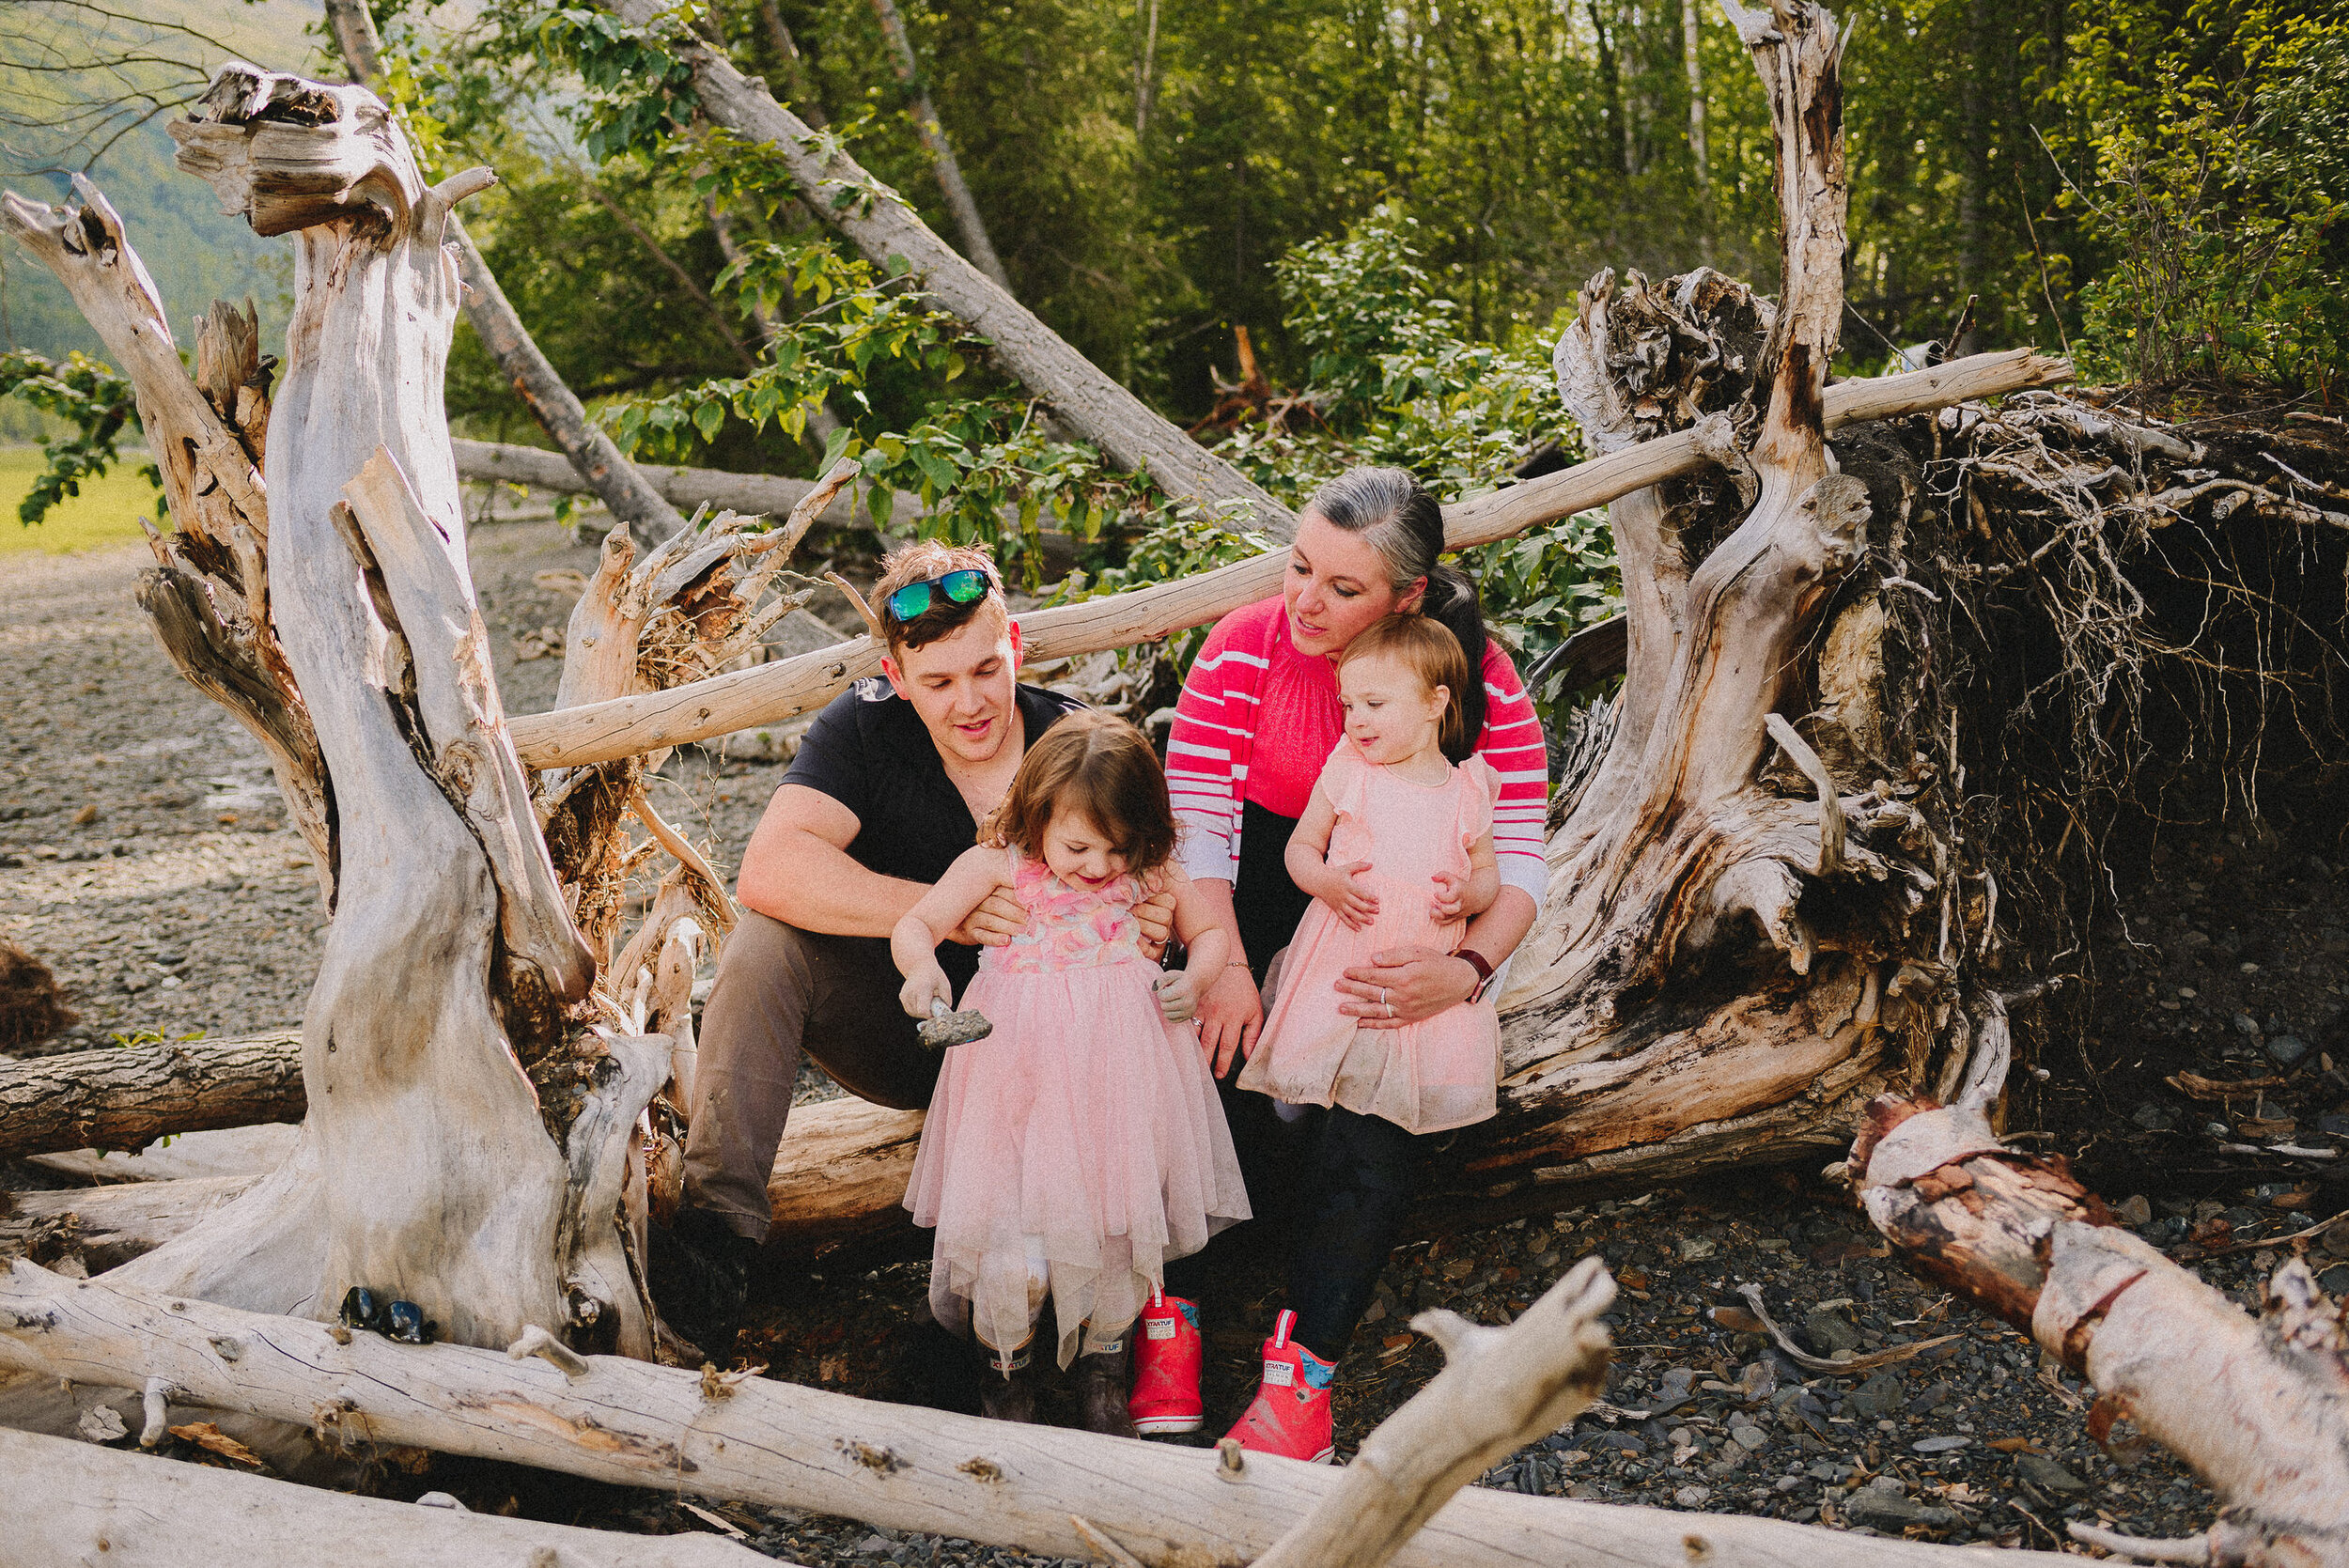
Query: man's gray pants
x=781, y=991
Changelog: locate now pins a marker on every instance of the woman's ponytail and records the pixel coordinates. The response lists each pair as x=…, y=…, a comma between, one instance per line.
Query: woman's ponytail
x=1451, y=603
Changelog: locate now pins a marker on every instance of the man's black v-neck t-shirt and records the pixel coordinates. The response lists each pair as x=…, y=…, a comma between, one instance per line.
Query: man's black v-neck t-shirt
x=869, y=751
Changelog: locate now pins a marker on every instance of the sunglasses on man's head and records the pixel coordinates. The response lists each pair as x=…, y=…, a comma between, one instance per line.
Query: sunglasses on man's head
x=966, y=587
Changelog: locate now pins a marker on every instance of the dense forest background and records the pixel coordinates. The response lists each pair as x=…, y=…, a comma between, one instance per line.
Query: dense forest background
x=1395, y=200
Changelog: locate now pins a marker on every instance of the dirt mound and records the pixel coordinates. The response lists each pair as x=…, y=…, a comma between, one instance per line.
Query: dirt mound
x=32, y=1004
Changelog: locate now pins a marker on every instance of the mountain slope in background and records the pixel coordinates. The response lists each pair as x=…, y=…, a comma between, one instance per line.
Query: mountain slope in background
x=193, y=252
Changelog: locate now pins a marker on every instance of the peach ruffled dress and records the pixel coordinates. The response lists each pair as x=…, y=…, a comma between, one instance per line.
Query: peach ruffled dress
x=1079, y=1146
x=1441, y=1072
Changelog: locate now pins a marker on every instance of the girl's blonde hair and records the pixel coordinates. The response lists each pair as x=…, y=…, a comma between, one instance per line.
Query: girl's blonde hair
x=1098, y=764
x=1430, y=651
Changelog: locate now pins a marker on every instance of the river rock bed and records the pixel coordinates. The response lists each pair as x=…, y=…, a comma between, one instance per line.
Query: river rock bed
x=145, y=857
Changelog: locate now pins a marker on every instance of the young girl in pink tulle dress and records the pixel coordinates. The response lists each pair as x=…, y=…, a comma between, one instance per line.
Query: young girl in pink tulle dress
x=1397, y=849
x=1081, y=1145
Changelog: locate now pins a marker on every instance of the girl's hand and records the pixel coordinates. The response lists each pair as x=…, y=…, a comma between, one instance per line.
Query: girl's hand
x=1402, y=985
x=1451, y=887
x=998, y=918
x=1229, y=1015
x=922, y=984
x=1354, y=905
x=1155, y=919
x=1179, y=995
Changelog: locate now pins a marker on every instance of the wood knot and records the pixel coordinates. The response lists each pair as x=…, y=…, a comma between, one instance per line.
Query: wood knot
x=880, y=1461
x=981, y=1469
x=1697, y=1546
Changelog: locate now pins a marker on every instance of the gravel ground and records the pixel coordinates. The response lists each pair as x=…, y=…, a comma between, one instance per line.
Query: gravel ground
x=144, y=855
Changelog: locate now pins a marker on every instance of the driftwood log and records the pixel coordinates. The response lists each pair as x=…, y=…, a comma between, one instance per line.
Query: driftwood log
x=125, y=1099
x=756, y=1440
x=771, y=693
x=2258, y=1408
x=77, y=1502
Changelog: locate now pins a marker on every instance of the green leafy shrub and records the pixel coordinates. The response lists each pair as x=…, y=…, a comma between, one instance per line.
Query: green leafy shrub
x=90, y=398
x=2221, y=190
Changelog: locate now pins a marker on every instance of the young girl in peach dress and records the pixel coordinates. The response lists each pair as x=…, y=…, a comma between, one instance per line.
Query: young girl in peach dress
x=1393, y=831
x=1078, y=1147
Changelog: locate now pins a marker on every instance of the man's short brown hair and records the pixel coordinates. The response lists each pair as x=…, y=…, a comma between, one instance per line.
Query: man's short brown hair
x=920, y=562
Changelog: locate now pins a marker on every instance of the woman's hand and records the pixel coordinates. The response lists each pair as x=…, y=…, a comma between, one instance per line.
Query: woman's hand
x=1179, y=995
x=1154, y=921
x=1402, y=985
x=920, y=986
x=1353, y=903
x=1450, y=889
x=1229, y=1015
x=998, y=918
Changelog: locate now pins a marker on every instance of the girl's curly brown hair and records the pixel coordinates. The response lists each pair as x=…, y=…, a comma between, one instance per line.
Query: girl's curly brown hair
x=1098, y=764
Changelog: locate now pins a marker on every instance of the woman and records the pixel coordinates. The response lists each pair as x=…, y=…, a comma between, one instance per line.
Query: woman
x=1258, y=716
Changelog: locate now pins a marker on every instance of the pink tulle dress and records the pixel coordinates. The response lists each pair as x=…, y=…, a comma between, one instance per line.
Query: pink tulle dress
x=1441, y=1072
x=1079, y=1146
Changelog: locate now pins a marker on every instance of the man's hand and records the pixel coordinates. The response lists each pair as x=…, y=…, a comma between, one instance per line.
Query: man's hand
x=1154, y=918
x=1229, y=1015
x=1179, y=995
x=1354, y=904
x=1405, y=985
x=921, y=987
x=1451, y=887
x=998, y=918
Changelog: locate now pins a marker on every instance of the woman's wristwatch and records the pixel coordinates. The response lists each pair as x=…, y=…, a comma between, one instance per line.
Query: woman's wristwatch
x=1484, y=971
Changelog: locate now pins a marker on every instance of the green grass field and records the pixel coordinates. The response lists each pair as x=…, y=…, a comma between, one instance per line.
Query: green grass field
x=105, y=514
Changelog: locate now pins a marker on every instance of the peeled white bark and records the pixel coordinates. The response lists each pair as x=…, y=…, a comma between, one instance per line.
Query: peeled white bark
x=76, y=1502
x=757, y=1441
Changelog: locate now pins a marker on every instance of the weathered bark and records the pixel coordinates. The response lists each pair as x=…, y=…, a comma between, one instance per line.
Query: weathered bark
x=92, y=1228
x=125, y=1099
x=773, y=692
x=1089, y=402
x=527, y=370
x=968, y=224
x=77, y=1502
x=2259, y=1407
x=447, y=907
x=993, y=1481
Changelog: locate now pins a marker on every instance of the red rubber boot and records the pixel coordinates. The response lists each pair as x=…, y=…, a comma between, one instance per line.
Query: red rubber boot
x=1291, y=1413
x=1167, y=1356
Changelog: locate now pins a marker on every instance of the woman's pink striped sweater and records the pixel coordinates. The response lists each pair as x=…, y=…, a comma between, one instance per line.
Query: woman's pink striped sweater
x=1258, y=720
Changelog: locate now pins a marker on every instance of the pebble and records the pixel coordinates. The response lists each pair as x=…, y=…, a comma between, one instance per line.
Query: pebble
x=1941, y=1444
x=2044, y=1472
x=2287, y=1050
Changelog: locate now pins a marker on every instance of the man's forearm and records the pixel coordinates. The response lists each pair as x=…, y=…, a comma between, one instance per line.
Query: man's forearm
x=817, y=887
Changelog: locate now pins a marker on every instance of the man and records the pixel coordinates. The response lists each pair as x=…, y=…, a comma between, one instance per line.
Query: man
x=888, y=788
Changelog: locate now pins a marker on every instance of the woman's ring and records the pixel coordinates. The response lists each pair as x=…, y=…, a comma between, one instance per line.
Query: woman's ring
x=1382, y=996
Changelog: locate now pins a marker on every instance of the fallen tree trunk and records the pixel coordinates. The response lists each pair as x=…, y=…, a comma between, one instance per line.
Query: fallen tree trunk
x=93, y=1229
x=686, y=489
x=601, y=732
x=77, y=1502
x=2259, y=1407
x=123, y=1100
x=760, y=1441
x=1090, y=402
